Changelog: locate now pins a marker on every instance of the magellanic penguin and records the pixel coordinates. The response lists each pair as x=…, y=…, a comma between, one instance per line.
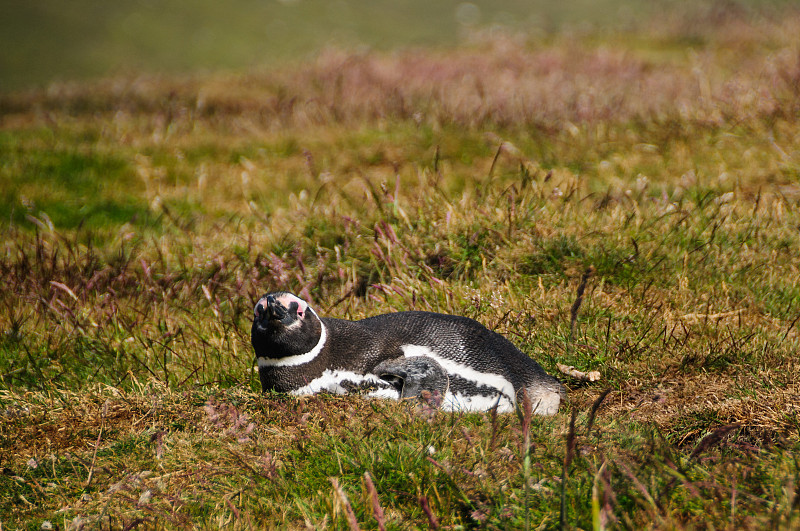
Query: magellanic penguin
x=395, y=355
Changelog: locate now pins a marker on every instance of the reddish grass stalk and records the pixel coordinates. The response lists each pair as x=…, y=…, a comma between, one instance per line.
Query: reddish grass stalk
x=233, y=508
x=433, y=522
x=493, y=417
x=713, y=438
x=377, y=510
x=570, y=453
x=348, y=509
x=576, y=306
x=595, y=407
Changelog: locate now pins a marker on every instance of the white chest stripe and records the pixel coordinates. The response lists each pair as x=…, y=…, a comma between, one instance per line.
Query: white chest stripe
x=331, y=381
x=459, y=402
x=299, y=359
x=464, y=371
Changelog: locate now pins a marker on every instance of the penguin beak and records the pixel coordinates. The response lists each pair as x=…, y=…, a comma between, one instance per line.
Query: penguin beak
x=272, y=311
x=269, y=311
x=275, y=310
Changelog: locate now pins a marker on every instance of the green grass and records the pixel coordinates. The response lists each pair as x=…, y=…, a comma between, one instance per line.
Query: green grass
x=142, y=219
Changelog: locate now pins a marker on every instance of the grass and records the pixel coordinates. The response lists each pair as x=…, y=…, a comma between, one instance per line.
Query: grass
x=46, y=43
x=143, y=217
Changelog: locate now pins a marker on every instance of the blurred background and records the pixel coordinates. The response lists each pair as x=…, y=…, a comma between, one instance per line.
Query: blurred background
x=47, y=41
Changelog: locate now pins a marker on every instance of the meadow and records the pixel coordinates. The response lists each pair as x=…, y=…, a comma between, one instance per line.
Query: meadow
x=621, y=202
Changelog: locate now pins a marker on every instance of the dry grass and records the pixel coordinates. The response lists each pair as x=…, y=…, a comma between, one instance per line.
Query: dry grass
x=145, y=216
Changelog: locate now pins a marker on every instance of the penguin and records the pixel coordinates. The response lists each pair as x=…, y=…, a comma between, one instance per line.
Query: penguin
x=397, y=355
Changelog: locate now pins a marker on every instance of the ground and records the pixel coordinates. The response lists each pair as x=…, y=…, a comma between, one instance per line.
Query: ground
x=143, y=217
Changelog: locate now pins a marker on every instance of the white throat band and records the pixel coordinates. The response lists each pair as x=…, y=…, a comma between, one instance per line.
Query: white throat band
x=299, y=359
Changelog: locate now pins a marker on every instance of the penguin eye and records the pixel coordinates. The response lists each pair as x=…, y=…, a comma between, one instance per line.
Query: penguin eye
x=294, y=307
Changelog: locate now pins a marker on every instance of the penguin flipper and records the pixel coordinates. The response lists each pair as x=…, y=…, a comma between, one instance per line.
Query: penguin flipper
x=412, y=376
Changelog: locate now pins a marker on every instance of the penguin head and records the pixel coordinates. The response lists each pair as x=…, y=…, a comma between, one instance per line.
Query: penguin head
x=284, y=325
x=413, y=376
x=279, y=309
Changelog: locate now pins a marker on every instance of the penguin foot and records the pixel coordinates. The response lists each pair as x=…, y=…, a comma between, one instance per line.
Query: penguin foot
x=414, y=377
x=545, y=400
